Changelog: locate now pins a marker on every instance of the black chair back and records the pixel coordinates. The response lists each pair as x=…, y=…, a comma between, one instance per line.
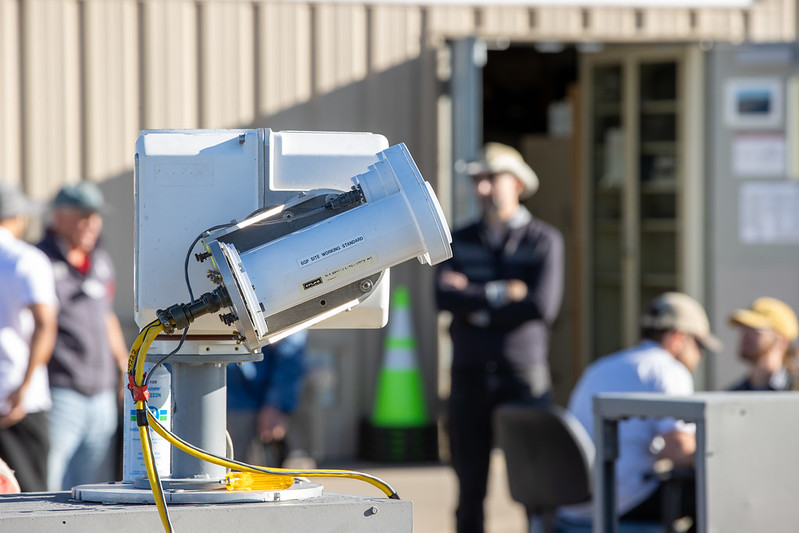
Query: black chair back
x=549, y=456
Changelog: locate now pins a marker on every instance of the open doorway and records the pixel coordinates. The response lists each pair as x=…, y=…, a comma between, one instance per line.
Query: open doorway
x=530, y=95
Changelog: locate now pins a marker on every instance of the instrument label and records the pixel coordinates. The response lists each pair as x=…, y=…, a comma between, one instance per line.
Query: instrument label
x=341, y=270
x=331, y=250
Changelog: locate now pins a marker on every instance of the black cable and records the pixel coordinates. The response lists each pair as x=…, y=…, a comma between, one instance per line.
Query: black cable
x=188, y=254
x=204, y=233
x=166, y=357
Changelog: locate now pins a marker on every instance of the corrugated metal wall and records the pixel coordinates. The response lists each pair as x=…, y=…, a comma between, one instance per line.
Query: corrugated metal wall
x=80, y=78
x=88, y=74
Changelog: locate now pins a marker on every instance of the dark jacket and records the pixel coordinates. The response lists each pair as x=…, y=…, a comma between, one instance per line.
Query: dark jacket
x=276, y=381
x=515, y=333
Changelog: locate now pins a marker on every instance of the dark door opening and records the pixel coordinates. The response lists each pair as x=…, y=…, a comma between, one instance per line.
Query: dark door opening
x=529, y=99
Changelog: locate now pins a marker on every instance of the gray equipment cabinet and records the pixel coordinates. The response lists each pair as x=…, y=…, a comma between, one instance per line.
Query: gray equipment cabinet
x=747, y=473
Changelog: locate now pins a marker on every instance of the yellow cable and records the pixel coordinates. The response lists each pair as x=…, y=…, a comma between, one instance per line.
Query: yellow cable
x=236, y=465
x=138, y=354
x=134, y=349
x=152, y=476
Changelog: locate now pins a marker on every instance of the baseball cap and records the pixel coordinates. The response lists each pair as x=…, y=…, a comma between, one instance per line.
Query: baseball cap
x=768, y=313
x=497, y=158
x=13, y=202
x=84, y=195
x=680, y=312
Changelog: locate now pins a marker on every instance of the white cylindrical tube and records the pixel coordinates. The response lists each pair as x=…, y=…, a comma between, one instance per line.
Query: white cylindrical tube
x=400, y=220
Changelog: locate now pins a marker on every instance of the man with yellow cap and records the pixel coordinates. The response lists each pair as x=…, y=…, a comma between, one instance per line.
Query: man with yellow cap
x=767, y=330
x=503, y=286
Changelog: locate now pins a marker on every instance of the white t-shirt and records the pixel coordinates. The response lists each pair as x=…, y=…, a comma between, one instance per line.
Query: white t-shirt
x=644, y=368
x=27, y=279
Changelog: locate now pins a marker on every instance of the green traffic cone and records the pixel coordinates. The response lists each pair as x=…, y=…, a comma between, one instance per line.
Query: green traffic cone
x=400, y=399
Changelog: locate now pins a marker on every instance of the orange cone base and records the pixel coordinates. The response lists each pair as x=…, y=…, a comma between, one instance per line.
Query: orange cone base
x=398, y=445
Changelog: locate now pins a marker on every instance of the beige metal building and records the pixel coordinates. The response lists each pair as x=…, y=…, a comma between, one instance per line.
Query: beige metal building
x=80, y=78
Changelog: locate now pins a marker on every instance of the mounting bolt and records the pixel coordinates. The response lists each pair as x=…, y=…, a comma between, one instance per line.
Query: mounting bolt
x=366, y=285
x=202, y=257
x=215, y=276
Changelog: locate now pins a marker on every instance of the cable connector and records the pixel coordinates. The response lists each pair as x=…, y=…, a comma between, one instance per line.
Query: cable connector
x=257, y=481
x=139, y=393
x=346, y=200
x=179, y=316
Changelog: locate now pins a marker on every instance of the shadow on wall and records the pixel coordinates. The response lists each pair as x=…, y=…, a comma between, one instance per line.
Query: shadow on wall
x=118, y=241
x=389, y=102
x=553, y=203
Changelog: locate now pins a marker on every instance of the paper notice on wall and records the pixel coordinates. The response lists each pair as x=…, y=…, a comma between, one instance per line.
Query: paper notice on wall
x=769, y=213
x=759, y=155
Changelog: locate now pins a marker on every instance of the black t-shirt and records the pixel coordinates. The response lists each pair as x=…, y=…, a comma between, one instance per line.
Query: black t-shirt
x=82, y=358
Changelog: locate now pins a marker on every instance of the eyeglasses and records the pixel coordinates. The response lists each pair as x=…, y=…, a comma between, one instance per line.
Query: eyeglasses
x=477, y=178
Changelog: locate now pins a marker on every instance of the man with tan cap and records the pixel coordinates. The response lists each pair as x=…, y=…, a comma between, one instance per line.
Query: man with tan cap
x=503, y=286
x=28, y=308
x=674, y=330
x=767, y=330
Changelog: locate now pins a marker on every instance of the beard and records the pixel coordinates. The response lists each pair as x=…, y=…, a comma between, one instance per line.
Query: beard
x=489, y=205
x=750, y=356
x=752, y=352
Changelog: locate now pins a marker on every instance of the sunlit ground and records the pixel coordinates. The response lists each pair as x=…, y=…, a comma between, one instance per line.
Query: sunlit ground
x=433, y=490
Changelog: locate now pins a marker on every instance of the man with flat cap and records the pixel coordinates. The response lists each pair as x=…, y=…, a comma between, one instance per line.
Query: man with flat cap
x=28, y=308
x=674, y=332
x=90, y=354
x=767, y=330
x=503, y=286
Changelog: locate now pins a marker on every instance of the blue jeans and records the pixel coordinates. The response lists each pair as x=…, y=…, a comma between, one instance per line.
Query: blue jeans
x=82, y=430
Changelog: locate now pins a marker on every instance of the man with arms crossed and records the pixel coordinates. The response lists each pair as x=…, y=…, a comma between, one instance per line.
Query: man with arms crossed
x=503, y=286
